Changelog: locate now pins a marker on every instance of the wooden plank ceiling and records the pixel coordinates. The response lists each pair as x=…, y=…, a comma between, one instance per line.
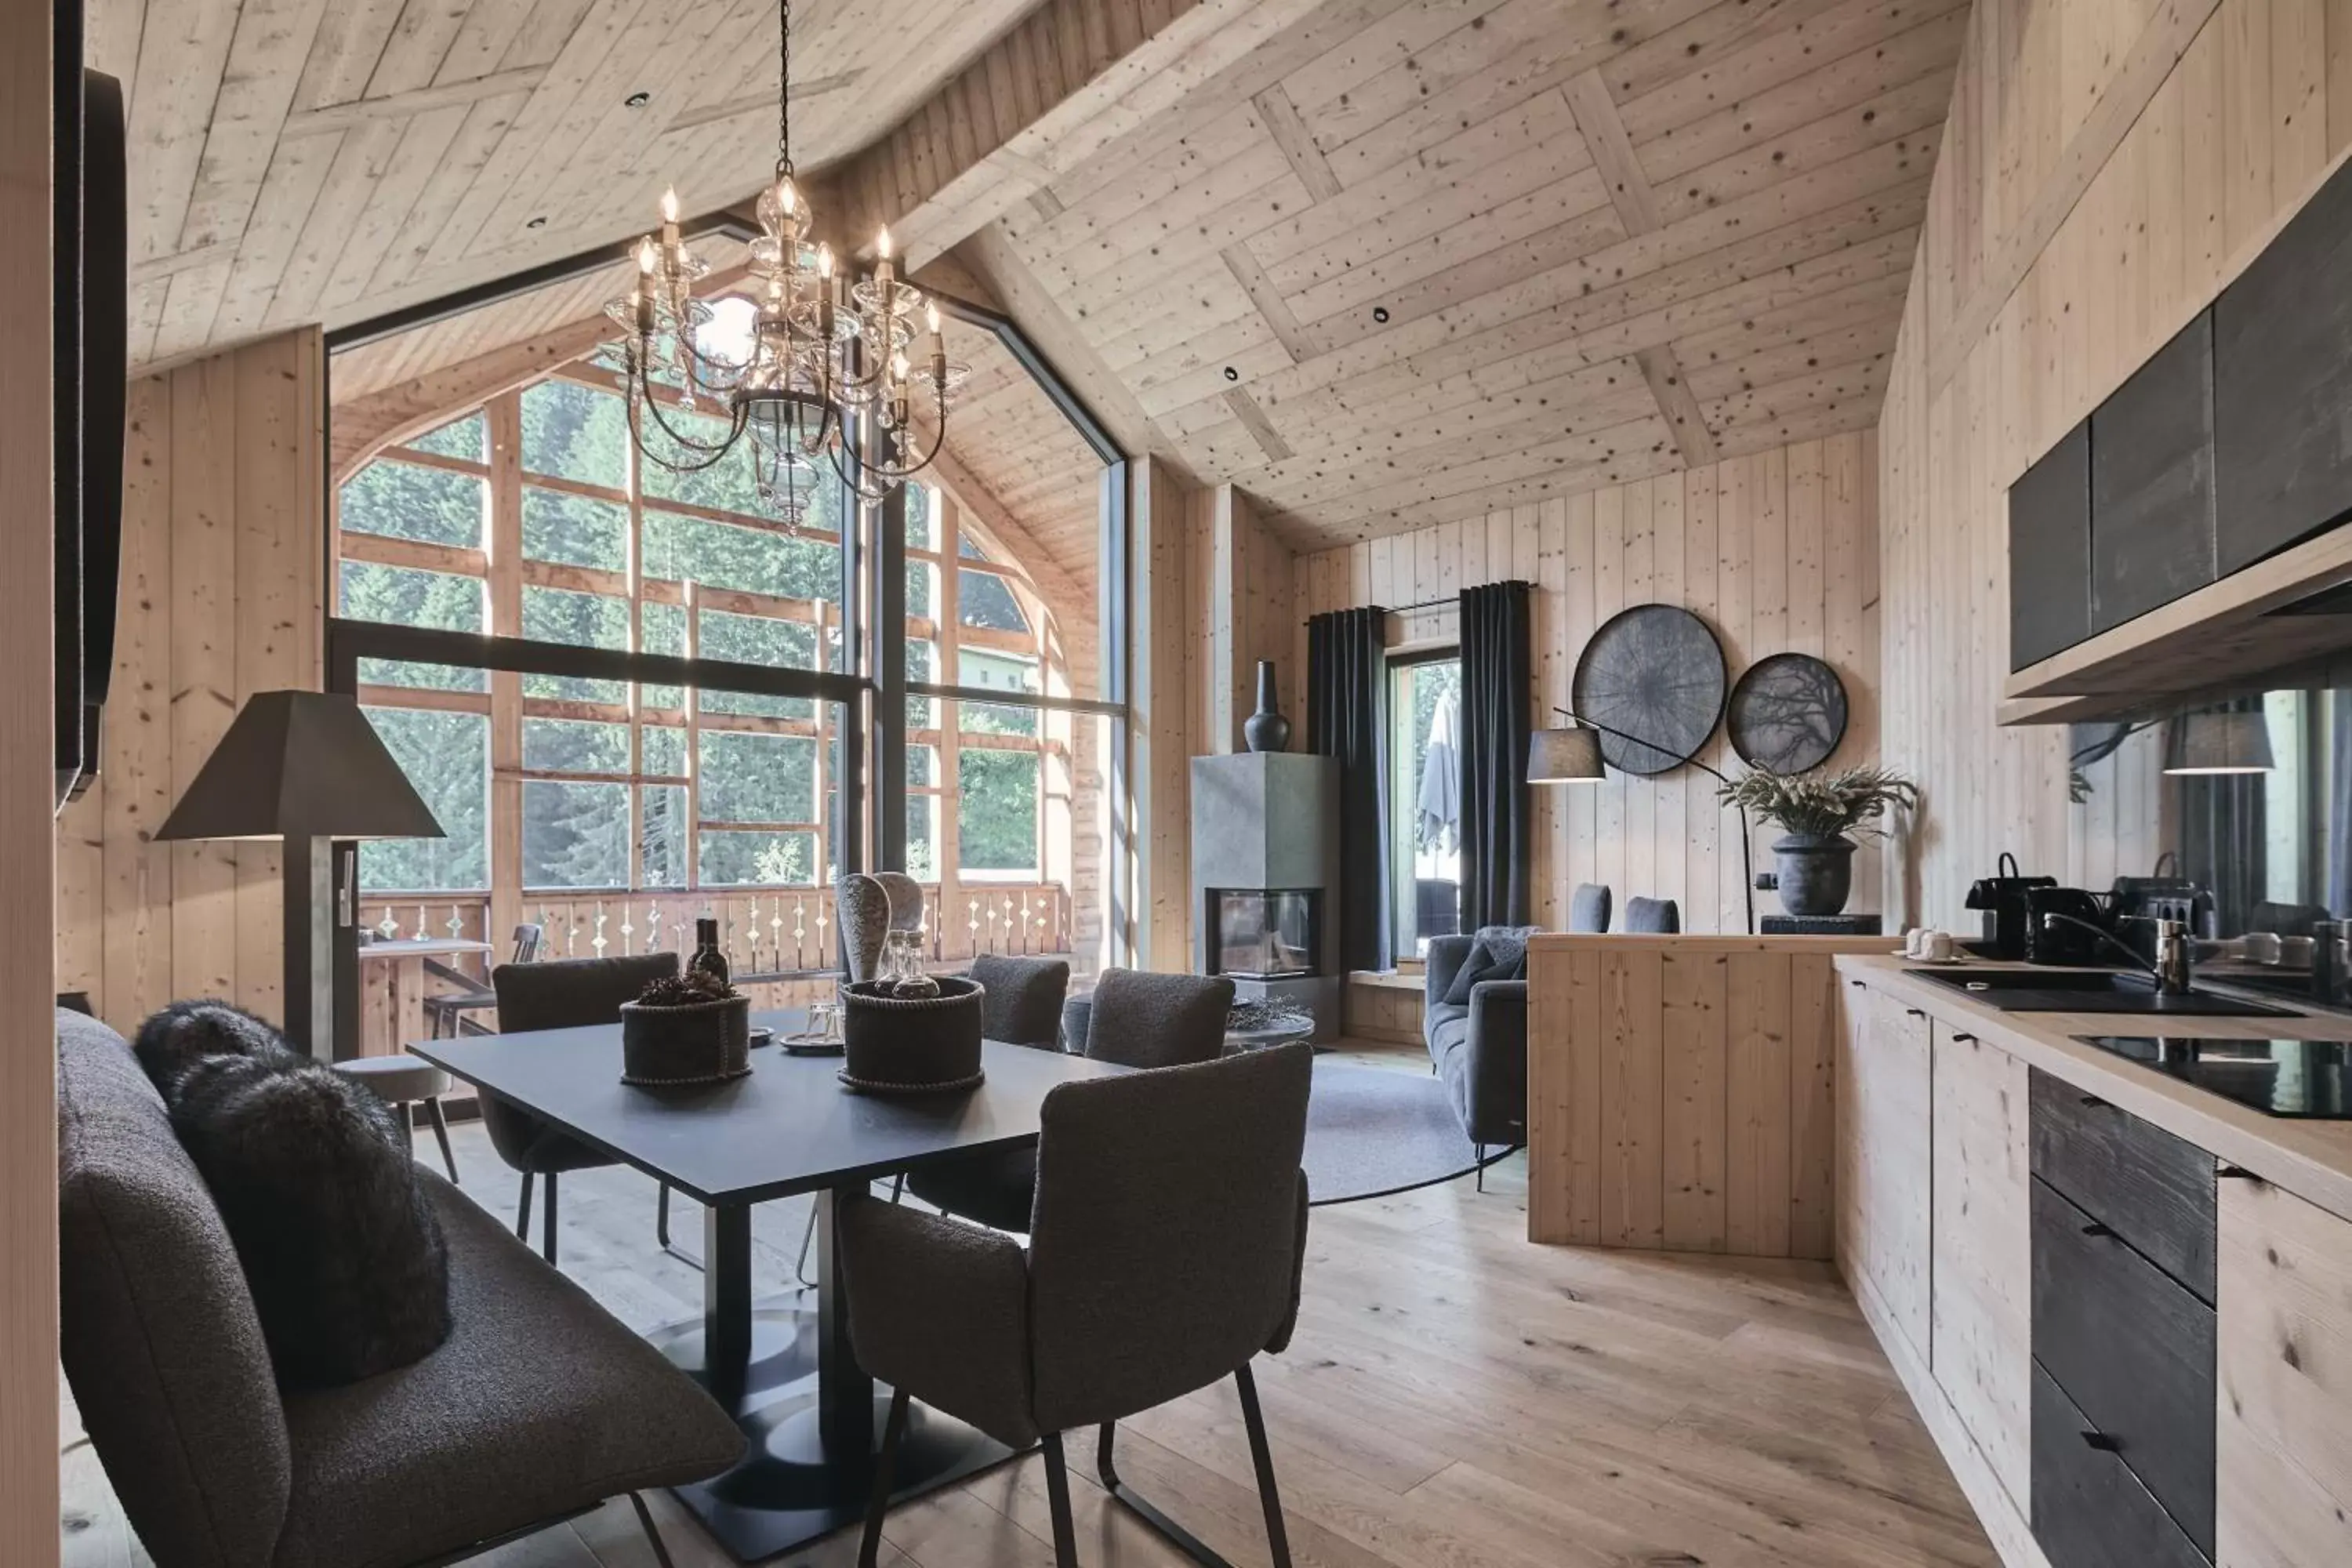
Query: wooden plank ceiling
x=1403, y=261
x=298, y=161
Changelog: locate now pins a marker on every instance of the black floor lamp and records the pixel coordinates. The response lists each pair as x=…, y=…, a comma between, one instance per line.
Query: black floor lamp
x=307, y=768
x=1572, y=756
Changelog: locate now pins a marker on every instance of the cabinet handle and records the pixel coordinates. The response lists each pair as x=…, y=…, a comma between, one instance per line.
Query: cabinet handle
x=1912, y=1013
x=2235, y=1173
x=1956, y=1038
x=2102, y=1442
x=2093, y=1102
x=1857, y=984
x=2096, y=1229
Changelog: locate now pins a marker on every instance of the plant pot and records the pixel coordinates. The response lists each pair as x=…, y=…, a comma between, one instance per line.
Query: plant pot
x=1267, y=729
x=1816, y=872
x=703, y=1042
x=893, y=1044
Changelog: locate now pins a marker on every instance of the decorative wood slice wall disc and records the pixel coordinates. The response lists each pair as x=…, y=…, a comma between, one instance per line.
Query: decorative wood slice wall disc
x=1788, y=713
x=1653, y=671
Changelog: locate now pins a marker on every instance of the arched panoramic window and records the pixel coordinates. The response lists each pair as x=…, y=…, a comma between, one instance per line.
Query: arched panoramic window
x=614, y=811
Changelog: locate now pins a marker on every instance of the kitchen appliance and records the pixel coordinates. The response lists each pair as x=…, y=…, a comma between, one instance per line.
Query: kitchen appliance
x=2300, y=1079
x=2001, y=899
x=2062, y=941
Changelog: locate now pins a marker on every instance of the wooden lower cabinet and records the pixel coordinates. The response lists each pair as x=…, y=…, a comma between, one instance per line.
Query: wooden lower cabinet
x=1886, y=1176
x=1980, y=1281
x=2284, y=1435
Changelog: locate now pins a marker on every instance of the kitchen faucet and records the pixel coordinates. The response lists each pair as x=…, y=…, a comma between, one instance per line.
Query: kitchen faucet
x=2174, y=970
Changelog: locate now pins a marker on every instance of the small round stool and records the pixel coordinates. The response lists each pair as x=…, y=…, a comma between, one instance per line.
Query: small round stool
x=400, y=1081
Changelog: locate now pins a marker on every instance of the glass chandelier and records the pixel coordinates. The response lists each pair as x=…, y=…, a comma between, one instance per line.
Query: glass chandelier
x=828, y=356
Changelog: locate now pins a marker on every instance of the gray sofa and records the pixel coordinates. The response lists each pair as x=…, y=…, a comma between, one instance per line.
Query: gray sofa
x=1480, y=1050
x=540, y=1404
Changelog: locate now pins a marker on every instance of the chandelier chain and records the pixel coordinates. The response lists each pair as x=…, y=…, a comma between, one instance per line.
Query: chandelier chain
x=784, y=87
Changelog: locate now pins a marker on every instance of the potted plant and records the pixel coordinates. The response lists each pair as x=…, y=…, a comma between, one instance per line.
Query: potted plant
x=1820, y=814
x=686, y=1028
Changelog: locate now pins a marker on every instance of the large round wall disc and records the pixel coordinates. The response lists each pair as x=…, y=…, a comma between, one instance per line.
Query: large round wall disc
x=1655, y=673
x=1788, y=713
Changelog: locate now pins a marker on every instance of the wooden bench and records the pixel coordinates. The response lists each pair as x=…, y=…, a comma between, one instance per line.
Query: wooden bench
x=1384, y=1004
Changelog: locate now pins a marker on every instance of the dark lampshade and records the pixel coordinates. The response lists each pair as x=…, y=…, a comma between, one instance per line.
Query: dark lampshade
x=300, y=764
x=2219, y=743
x=1565, y=756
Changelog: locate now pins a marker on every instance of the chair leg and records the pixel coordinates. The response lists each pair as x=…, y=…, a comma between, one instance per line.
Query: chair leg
x=522, y=1212
x=661, y=1217
x=800, y=1264
x=653, y=1536
x=886, y=1467
x=441, y=1132
x=1183, y=1540
x=1277, y=1539
x=547, y=1222
x=1057, y=1495
x=1481, y=1157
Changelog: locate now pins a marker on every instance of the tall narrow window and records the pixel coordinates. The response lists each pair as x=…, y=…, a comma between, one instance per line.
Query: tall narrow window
x=1426, y=797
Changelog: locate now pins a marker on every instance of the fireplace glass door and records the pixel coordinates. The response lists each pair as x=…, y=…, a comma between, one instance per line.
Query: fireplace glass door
x=1263, y=933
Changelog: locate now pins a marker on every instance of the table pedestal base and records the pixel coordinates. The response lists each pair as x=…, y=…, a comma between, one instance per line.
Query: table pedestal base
x=789, y=1489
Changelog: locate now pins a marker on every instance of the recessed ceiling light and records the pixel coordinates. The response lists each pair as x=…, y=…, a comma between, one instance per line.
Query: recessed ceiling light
x=539, y=222
x=637, y=100
x=1380, y=314
x=1232, y=374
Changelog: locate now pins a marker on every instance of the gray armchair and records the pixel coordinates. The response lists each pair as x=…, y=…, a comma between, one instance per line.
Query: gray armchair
x=1150, y=1272
x=539, y=1406
x=1480, y=1050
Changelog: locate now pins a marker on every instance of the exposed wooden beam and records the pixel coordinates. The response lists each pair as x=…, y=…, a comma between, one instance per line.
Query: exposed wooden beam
x=1254, y=421
x=1612, y=150
x=1280, y=118
x=1268, y=299
x=1664, y=374
x=417, y=101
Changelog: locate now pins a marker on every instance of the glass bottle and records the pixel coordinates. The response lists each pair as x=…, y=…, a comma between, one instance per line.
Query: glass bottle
x=708, y=959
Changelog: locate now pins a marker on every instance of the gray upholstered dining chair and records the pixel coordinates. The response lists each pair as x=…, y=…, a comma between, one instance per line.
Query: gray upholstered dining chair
x=1587, y=907
x=1139, y=1020
x=447, y=1011
x=539, y=1404
x=1652, y=917
x=561, y=994
x=1023, y=1005
x=1150, y=1272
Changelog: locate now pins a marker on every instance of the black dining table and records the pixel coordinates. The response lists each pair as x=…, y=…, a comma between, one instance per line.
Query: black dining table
x=789, y=1128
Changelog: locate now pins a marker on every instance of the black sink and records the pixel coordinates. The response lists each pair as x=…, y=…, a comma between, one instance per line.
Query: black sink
x=2089, y=991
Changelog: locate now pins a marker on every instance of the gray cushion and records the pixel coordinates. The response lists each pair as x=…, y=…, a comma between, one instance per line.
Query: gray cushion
x=160, y=1338
x=1587, y=907
x=540, y=1402
x=1652, y=917
x=1497, y=953
x=1024, y=1002
x=1143, y=1020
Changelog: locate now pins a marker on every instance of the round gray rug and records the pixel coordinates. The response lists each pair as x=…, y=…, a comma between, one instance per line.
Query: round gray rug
x=1371, y=1131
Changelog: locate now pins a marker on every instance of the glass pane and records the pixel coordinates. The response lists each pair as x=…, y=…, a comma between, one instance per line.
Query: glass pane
x=661, y=628
x=923, y=767
x=574, y=431
x=468, y=438
x=664, y=752
x=922, y=580
x=405, y=502
x=992, y=671
x=662, y=833
x=758, y=639
x=752, y=777
x=995, y=719
x=574, y=834
x=447, y=757
x=403, y=596
x=1425, y=796
x=923, y=837
x=681, y=549
x=984, y=599
x=968, y=548
x=996, y=812
x=759, y=860
x=576, y=530
x=922, y=518
x=728, y=485
x=574, y=746
x=922, y=712
x=575, y=620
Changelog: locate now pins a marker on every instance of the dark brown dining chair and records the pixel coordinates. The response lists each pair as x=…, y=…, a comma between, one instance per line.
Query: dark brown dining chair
x=1023, y=998
x=563, y=994
x=1150, y=1272
x=447, y=1011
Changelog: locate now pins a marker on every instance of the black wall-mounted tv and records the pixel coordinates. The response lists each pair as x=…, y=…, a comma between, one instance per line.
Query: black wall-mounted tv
x=91, y=293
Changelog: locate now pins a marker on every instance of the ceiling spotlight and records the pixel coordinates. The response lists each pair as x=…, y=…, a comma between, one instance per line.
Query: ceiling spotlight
x=637, y=100
x=1232, y=374
x=1380, y=314
x=539, y=222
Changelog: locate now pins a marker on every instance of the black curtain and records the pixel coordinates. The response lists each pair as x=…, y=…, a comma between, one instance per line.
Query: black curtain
x=1497, y=643
x=1347, y=718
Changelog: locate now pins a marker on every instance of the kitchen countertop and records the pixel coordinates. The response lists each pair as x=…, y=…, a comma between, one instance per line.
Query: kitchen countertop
x=2312, y=1160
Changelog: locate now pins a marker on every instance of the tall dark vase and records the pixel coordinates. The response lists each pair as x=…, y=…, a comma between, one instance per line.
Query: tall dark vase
x=1267, y=729
x=1816, y=872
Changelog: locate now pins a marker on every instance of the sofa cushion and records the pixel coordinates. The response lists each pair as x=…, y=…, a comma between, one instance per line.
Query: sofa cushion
x=1499, y=953
x=160, y=1339
x=539, y=1403
x=314, y=1182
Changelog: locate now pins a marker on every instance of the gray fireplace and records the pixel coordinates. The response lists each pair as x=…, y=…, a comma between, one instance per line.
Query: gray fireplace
x=1265, y=853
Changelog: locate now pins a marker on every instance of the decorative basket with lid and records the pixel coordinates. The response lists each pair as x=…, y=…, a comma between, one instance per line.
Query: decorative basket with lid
x=901, y=1044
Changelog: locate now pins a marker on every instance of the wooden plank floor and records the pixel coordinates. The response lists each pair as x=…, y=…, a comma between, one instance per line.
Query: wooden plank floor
x=1455, y=1397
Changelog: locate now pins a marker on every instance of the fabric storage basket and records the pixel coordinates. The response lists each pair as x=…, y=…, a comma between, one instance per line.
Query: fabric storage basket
x=910, y=1045
x=703, y=1042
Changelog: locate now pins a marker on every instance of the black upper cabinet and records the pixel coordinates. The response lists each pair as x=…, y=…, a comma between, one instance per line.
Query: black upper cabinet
x=2283, y=384
x=2050, y=551
x=2152, y=531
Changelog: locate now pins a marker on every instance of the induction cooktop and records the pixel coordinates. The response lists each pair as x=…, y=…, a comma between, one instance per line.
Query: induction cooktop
x=2305, y=1079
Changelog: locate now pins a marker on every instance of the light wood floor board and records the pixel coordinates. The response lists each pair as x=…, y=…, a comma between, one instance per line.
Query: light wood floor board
x=1455, y=1398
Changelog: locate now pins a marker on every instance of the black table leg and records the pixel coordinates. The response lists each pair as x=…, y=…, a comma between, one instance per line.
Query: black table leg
x=845, y=1394
x=726, y=1300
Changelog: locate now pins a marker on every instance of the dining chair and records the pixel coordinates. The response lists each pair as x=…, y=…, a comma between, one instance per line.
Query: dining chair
x=561, y=994
x=1652, y=917
x=447, y=1011
x=1587, y=907
x=1021, y=1000
x=1150, y=1272
x=1138, y=1020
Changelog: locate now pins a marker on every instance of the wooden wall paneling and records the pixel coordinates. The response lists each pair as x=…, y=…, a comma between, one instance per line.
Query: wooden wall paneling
x=1981, y=1272
x=29, y=1438
x=204, y=661
x=1701, y=1064
x=1164, y=682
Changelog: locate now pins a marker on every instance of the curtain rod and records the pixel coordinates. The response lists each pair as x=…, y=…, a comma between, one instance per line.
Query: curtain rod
x=1450, y=601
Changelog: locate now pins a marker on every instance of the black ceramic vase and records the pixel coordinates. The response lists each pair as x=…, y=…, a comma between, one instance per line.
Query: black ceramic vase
x=1816, y=872
x=1267, y=729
